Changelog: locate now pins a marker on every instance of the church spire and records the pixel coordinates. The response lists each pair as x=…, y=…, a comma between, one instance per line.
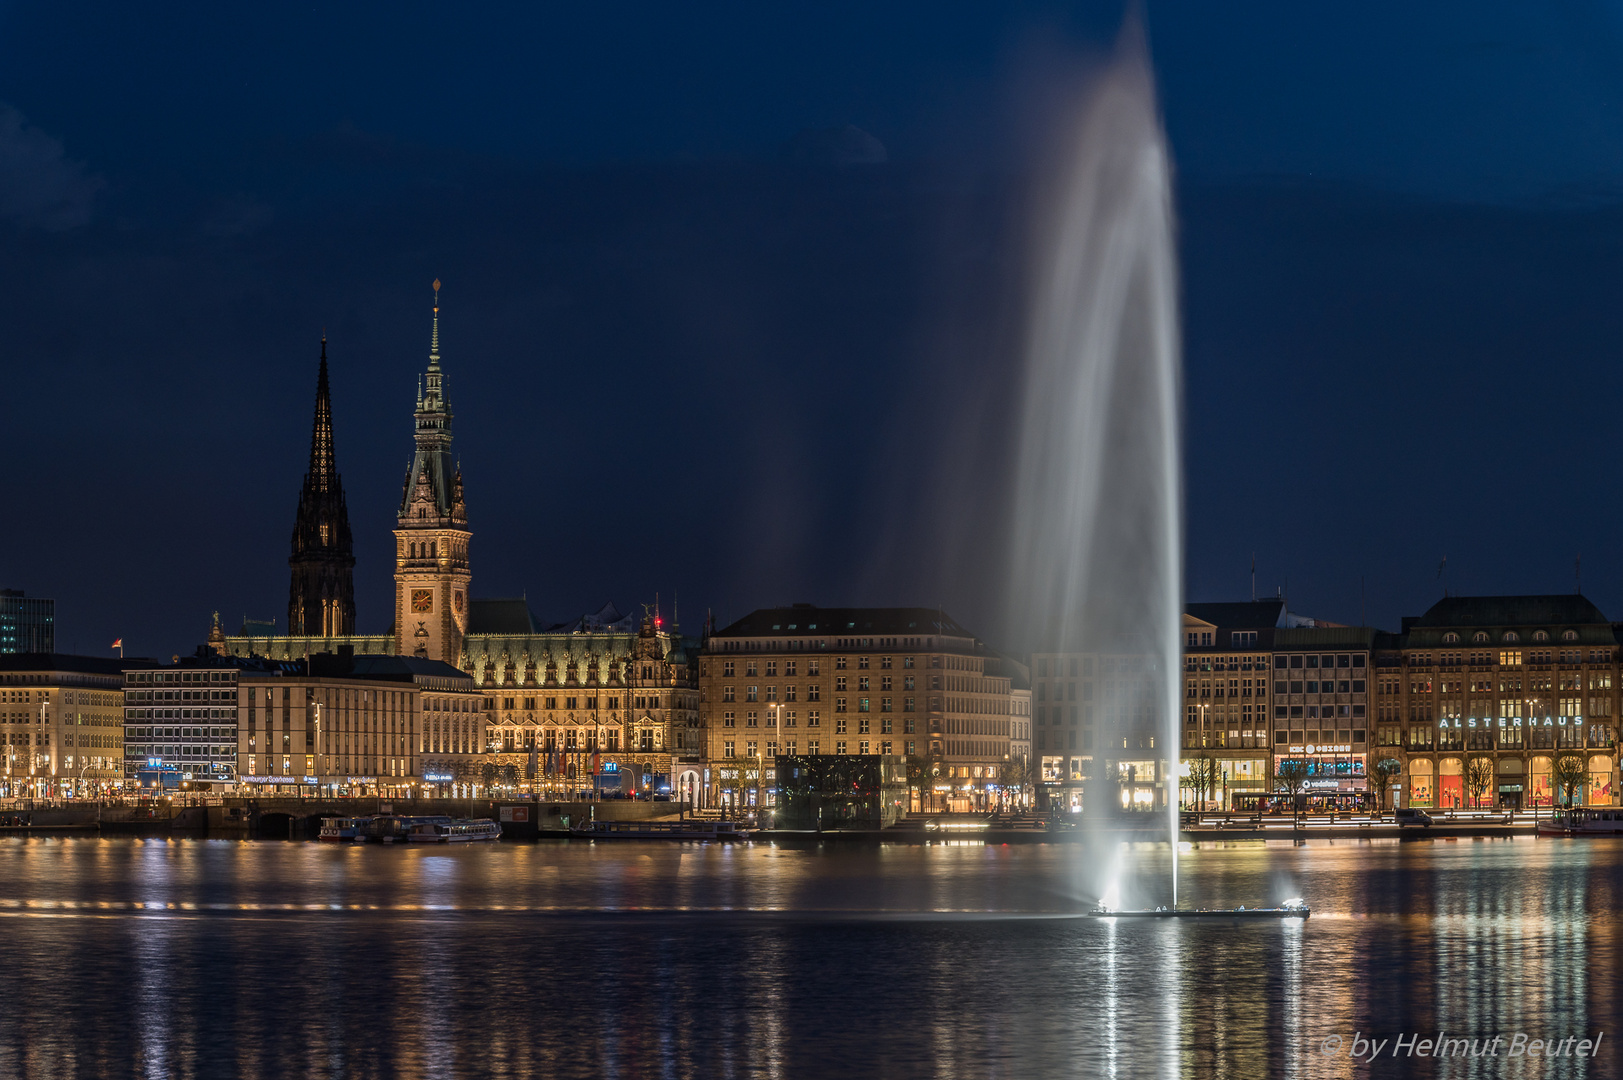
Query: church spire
x=321, y=600
x=322, y=468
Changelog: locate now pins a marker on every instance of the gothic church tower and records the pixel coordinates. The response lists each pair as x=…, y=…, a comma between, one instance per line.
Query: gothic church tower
x=321, y=601
x=431, y=543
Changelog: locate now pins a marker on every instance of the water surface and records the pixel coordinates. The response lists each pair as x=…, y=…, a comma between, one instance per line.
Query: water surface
x=155, y=958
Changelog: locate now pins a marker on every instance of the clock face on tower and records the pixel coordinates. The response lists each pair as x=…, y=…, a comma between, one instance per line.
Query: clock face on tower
x=422, y=600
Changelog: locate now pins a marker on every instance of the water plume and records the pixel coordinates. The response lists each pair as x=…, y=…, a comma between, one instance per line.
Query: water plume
x=1098, y=552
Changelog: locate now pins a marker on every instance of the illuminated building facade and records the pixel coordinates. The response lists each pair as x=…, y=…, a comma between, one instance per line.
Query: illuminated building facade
x=1480, y=697
x=805, y=680
x=561, y=701
x=1228, y=707
x=1321, y=695
x=358, y=725
x=61, y=719
x=591, y=703
x=180, y=722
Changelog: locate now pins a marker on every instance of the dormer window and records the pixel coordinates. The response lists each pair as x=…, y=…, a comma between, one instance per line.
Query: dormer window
x=1541, y=635
x=1451, y=638
x=1511, y=635
x=1569, y=635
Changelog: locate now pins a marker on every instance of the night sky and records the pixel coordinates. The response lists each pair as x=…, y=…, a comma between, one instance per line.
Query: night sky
x=733, y=296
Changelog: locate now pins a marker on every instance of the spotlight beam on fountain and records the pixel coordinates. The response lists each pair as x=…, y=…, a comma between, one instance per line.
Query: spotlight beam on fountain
x=1098, y=557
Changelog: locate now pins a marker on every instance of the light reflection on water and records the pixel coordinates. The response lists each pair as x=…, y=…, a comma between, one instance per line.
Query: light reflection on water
x=215, y=958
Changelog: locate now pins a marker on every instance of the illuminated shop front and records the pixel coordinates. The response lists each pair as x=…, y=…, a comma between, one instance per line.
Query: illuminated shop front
x=1521, y=778
x=1230, y=777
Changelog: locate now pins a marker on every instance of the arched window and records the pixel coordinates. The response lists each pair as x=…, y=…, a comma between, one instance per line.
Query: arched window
x=1541, y=635
x=1569, y=635
x=1511, y=636
x=1451, y=638
x=1480, y=636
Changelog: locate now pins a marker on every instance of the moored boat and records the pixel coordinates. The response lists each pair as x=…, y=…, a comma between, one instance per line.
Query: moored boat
x=375, y=828
x=344, y=829
x=1584, y=821
x=454, y=831
x=687, y=829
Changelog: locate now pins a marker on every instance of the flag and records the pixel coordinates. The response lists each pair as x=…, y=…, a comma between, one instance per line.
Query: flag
x=119, y=644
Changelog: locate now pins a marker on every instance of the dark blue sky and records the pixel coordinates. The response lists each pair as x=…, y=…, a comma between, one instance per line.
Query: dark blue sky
x=695, y=347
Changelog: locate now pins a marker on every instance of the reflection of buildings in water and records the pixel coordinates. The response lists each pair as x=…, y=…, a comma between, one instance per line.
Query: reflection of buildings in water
x=160, y=1045
x=1293, y=1030
x=1514, y=959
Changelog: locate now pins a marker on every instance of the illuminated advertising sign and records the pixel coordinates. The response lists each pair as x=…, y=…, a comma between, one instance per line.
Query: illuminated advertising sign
x=1462, y=722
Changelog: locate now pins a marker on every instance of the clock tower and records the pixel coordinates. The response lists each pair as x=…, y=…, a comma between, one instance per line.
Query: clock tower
x=431, y=542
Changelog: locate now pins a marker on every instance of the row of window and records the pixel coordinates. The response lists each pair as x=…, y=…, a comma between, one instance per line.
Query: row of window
x=769, y=668
x=1504, y=658
x=814, y=691
x=729, y=749
x=729, y=719
x=1510, y=636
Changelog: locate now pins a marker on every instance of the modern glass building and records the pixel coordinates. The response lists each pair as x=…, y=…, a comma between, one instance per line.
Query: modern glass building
x=27, y=623
x=841, y=791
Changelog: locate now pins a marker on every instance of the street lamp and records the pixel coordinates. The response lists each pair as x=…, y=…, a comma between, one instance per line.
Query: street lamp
x=760, y=766
x=320, y=764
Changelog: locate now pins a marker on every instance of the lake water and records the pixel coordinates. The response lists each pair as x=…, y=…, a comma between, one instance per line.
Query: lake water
x=199, y=958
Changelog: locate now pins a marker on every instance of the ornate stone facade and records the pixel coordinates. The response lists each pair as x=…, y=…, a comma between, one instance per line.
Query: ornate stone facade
x=563, y=701
x=431, y=543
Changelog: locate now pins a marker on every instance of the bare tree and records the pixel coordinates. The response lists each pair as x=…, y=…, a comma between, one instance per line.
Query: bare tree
x=1017, y=776
x=1479, y=776
x=1569, y=773
x=1203, y=778
x=921, y=772
x=1292, y=778
x=1381, y=774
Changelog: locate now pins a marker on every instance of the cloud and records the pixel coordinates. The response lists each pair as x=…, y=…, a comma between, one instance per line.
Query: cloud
x=39, y=186
x=238, y=215
x=842, y=147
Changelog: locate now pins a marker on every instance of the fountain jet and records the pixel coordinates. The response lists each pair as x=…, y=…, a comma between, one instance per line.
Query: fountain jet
x=1098, y=553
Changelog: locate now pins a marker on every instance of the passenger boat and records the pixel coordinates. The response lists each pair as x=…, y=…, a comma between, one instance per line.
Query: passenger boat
x=375, y=828
x=1294, y=908
x=1584, y=822
x=457, y=831
x=344, y=829
x=687, y=829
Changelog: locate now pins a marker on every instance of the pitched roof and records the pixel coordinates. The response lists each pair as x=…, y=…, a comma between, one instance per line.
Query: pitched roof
x=800, y=620
x=501, y=617
x=1244, y=615
x=1326, y=637
x=1550, y=611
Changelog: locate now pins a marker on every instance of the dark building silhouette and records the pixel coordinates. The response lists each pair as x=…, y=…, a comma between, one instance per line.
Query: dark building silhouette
x=321, y=600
